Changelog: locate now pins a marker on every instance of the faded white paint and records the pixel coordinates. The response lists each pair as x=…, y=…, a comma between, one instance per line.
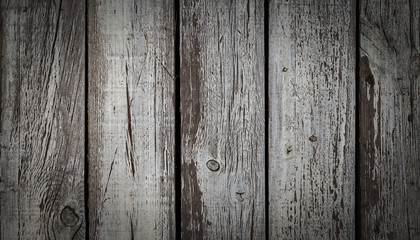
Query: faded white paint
x=311, y=119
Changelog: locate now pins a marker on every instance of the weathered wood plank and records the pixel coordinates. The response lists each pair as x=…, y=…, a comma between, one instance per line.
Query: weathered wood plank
x=222, y=112
x=311, y=119
x=131, y=119
x=42, y=120
x=390, y=119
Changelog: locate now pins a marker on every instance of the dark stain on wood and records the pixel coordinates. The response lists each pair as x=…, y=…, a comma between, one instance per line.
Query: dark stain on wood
x=190, y=82
x=369, y=144
x=97, y=75
x=192, y=209
x=389, y=126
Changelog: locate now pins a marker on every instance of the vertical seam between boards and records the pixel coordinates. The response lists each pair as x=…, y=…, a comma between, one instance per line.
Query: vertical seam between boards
x=86, y=163
x=357, y=210
x=266, y=101
x=178, y=137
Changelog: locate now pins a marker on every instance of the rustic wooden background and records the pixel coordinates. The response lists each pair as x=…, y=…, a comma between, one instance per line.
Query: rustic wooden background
x=205, y=119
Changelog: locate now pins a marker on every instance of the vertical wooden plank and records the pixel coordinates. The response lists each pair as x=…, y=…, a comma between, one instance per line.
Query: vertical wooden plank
x=222, y=104
x=131, y=119
x=311, y=119
x=42, y=120
x=390, y=119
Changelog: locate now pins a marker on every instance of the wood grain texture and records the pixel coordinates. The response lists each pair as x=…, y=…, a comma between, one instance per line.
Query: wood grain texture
x=42, y=120
x=131, y=119
x=222, y=104
x=390, y=119
x=311, y=119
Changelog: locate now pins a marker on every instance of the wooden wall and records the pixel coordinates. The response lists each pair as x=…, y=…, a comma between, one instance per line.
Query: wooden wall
x=210, y=119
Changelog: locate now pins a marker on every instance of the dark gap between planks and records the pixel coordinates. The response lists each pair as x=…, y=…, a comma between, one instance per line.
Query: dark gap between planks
x=357, y=210
x=178, y=138
x=266, y=104
x=86, y=164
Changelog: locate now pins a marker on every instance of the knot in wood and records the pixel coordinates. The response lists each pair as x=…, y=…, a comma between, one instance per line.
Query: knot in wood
x=313, y=138
x=241, y=191
x=239, y=195
x=285, y=69
x=288, y=149
x=213, y=165
x=68, y=217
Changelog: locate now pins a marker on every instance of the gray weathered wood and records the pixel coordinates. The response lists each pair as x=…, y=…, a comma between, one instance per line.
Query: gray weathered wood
x=222, y=104
x=311, y=119
x=131, y=119
x=42, y=120
x=390, y=119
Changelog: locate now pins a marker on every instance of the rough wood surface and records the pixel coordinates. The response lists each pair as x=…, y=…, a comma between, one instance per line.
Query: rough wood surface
x=131, y=119
x=222, y=104
x=390, y=119
x=311, y=119
x=42, y=120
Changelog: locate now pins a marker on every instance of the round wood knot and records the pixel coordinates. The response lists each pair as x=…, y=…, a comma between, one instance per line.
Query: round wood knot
x=69, y=217
x=213, y=165
x=313, y=138
x=285, y=69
